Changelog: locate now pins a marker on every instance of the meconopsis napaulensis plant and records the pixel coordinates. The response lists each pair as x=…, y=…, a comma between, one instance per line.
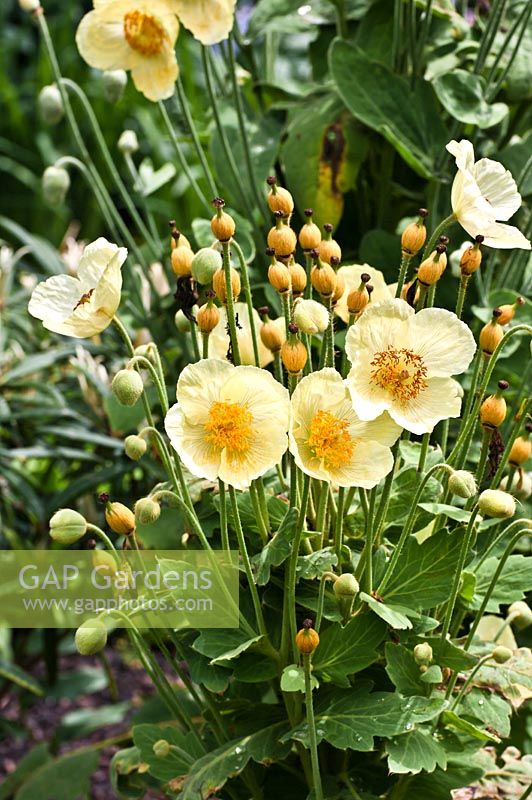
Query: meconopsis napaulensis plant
x=350, y=435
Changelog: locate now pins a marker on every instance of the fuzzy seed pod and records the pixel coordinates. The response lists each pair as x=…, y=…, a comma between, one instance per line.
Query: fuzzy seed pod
x=208, y=317
x=462, y=484
x=181, y=259
x=223, y=226
x=490, y=336
x=51, y=104
x=329, y=247
x=522, y=614
x=423, y=653
x=271, y=336
x=114, y=83
x=120, y=518
x=55, y=185
x=205, y=263
x=67, y=526
x=307, y=639
x=520, y=452
x=310, y=234
x=218, y=284
x=279, y=277
x=91, y=637
x=311, y=316
x=413, y=237
x=128, y=142
x=279, y=200
x=501, y=654
x=323, y=278
x=507, y=312
x=298, y=277
x=494, y=503
x=135, y=447
x=431, y=270
x=294, y=355
x=161, y=748
x=471, y=260
x=147, y=510
x=127, y=387
x=493, y=412
x=345, y=585
x=282, y=240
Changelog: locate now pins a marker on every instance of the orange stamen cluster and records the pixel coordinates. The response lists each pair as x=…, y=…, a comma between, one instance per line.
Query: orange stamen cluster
x=144, y=33
x=229, y=426
x=401, y=372
x=330, y=440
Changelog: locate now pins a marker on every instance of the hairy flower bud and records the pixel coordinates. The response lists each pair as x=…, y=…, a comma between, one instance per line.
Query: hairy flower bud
x=423, y=653
x=218, y=284
x=282, y=240
x=161, y=748
x=493, y=412
x=114, y=83
x=495, y=503
x=271, y=336
x=311, y=316
x=345, y=585
x=51, y=104
x=177, y=239
x=208, y=317
x=310, y=234
x=413, y=237
x=279, y=277
x=501, y=654
x=470, y=260
x=91, y=637
x=67, y=526
x=294, y=355
x=127, y=387
x=507, y=312
x=307, y=639
x=298, y=277
x=521, y=613
x=205, y=263
x=279, y=200
x=55, y=185
x=128, y=142
x=432, y=268
x=222, y=224
x=147, y=510
x=520, y=452
x=120, y=518
x=181, y=259
x=462, y=484
x=323, y=278
x=329, y=247
x=490, y=336
x=135, y=447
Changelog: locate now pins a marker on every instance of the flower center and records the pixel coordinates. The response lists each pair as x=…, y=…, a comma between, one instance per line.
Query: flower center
x=144, y=33
x=401, y=372
x=84, y=299
x=229, y=426
x=330, y=440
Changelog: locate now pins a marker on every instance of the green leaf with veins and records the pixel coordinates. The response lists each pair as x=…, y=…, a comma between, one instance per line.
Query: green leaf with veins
x=402, y=669
x=512, y=584
x=345, y=650
x=390, y=614
x=417, y=751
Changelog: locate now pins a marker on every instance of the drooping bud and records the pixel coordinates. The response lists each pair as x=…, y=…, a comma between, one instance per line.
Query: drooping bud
x=462, y=484
x=128, y=142
x=222, y=224
x=423, y=654
x=471, y=258
x=91, y=637
x=147, y=510
x=161, y=748
x=329, y=247
x=271, y=335
x=490, y=335
x=414, y=235
x=345, y=586
x=495, y=503
x=208, y=317
x=307, y=639
x=521, y=613
x=298, y=278
x=55, y=185
x=311, y=316
x=127, y=387
x=183, y=324
x=279, y=200
x=218, y=284
x=507, y=312
x=120, y=518
x=493, y=410
x=114, y=83
x=51, y=104
x=501, y=654
x=279, y=275
x=520, y=452
x=135, y=447
x=182, y=258
x=310, y=234
x=281, y=238
x=205, y=263
x=323, y=278
x=67, y=526
x=293, y=352
x=431, y=270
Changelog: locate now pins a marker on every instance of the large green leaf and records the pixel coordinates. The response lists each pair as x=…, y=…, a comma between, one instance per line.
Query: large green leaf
x=452, y=720
x=342, y=651
x=19, y=676
x=409, y=119
x=185, y=750
x=447, y=654
x=353, y=719
x=417, y=751
x=402, y=669
x=278, y=548
x=423, y=575
x=461, y=93
x=489, y=708
x=223, y=645
x=513, y=582
x=62, y=779
x=33, y=760
x=391, y=614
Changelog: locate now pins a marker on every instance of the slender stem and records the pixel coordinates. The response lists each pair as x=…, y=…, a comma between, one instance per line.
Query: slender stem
x=466, y=542
x=329, y=359
x=140, y=186
x=322, y=509
x=339, y=524
x=261, y=494
x=249, y=299
x=371, y=530
x=514, y=433
x=424, y=32
x=278, y=368
x=481, y=468
x=437, y=233
x=229, y=305
x=223, y=516
x=316, y=776
x=464, y=280
x=205, y=345
x=403, y=270
x=103, y=536
x=321, y=601
x=145, y=363
x=425, y=443
x=496, y=12
x=492, y=91
x=263, y=530
x=75, y=162
x=397, y=32
x=183, y=102
x=526, y=794
x=182, y=158
x=292, y=565
x=382, y=511
x=467, y=683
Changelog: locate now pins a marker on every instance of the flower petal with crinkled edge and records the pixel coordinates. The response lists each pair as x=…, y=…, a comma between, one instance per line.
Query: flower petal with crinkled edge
x=199, y=386
x=209, y=21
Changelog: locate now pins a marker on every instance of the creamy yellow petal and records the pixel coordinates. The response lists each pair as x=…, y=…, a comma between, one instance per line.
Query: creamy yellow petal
x=440, y=400
x=383, y=430
x=155, y=76
x=198, y=455
x=504, y=237
x=351, y=274
x=53, y=300
x=100, y=38
x=369, y=400
x=444, y=342
x=370, y=463
x=106, y=297
x=96, y=258
x=260, y=393
x=380, y=326
x=498, y=187
x=209, y=21
x=199, y=386
x=463, y=153
x=267, y=447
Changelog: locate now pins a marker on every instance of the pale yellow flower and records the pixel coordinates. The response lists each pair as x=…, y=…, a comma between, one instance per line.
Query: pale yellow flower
x=330, y=442
x=484, y=192
x=209, y=21
x=136, y=35
x=402, y=363
x=229, y=422
x=82, y=306
x=219, y=339
x=351, y=274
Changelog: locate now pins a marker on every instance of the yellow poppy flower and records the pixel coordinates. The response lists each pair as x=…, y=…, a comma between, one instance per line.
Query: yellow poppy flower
x=402, y=363
x=136, y=35
x=82, y=306
x=219, y=338
x=209, y=21
x=229, y=422
x=330, y=442
x=351, y=274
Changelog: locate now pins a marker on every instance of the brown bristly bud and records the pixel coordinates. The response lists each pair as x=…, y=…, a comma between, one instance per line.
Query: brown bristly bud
x=323, y=278
x=218, y=284
x=471, y=258
x=208, y=317
x=310, y=234
x=490, y=336
x=307, y=639
x=358, y=299
x=279, y=199
x=182, y=260
x=507, y=311
x=271, y=336
x=298, y=276
x=493, y=409
x=178, y=239
x=293, y=352
x=414, y=236
x=120, y=518
x=279, y=276
x=328, y=247
x=520, y=452
x=222, y=224
x=432, y=268
x=282, y=238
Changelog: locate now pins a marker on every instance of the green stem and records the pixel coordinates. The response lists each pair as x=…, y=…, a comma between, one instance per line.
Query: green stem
x=403, y=270
x=338, y=531
x=523, y=18
x=223, y=516
x=316, y=776
x=140, y=186
x=481, y=468
x=437, y=233
x=371, y=531
x=382, y=511
x=494, y=19
x=103, y=536
x=514, y=433
x=230, y=306
x=145, y=363
x=261, y=524
x=466, y=542
x=205, y=345
x=464, y=280
x=329, y=361
x=75, y=162
x=249, y=300
x=183, y=102
x=292, y=566
x=425, y=443
x=182, y=158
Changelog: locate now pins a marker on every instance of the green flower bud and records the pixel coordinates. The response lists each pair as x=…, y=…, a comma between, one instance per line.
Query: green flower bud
x=114, y=82
x=311, y=316
x=345, y=586
x=521, y=613
x=494, y=503
x=204, y=264
x=55, y=185
x=147, y=510
x=127, y=387
x=183, y=324
x=161, y=748
x=51, y=104
x=128, y=142
x=501, y=654
x=423, y=653
x=91, y=637
x=462, y=484
x=135, y=447
x=67, y=526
